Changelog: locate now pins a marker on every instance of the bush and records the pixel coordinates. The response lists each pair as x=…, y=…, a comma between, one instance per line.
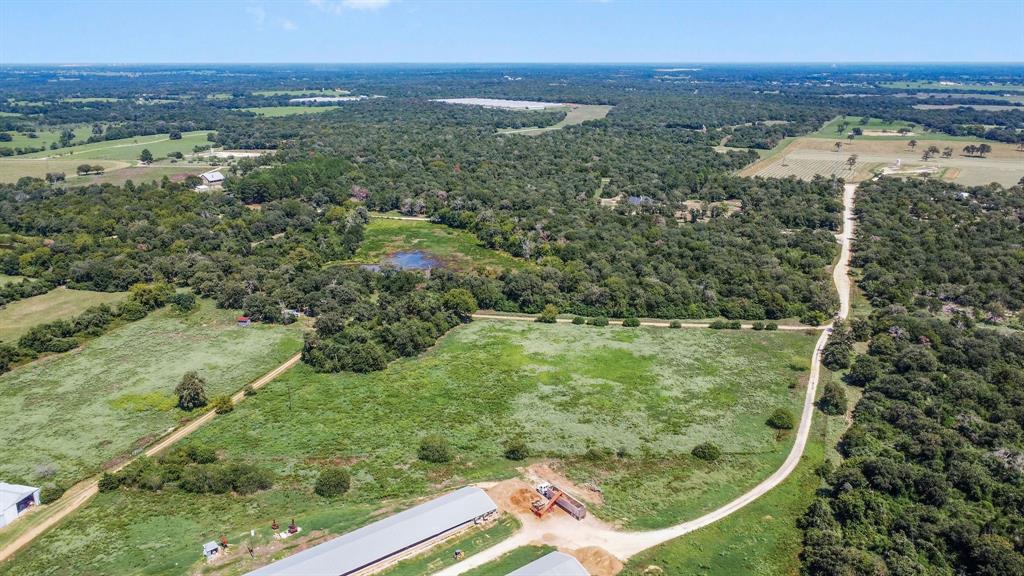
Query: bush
x=758, y=325
x=248, y=479
x=579, y=320
x=725, y=325
x=599, y=321
x=50, y=494
x=222, y=404
x=191, y=391
x=435, y=448
x=249, y=390
x=109, y=482
x=771, y=326
x=814, y=318
x=332, y=482
x=549, y=315
x=199, y=454
x=865, y=370
x=833, y=399
x=131, y=310
x=781, y=419
x=631, y=322
x=706, y=451
x=517, y=449
x=183, y=301
x=675, y=324
x=461, y=302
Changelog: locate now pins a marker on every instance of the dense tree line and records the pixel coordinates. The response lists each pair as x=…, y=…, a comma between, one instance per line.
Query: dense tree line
x=933, y=476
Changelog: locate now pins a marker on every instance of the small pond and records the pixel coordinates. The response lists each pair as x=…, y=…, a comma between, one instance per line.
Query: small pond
x=413, y=260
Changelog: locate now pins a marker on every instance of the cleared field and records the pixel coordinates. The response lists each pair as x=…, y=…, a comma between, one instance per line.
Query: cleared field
x=989, y=107
x=309, y=92
x=805, y=157
x=13, y=168
x=79, y=410
x=7, y=279
x=503, y=104
x=877, y=129
x=89, y=99
x=272, y=111
x=451, y=247
x=929, y=85
x=128, y=149
x=577, y=114
x=567, y=390
x=139, y=174
x=60, y=303
x=45, y=137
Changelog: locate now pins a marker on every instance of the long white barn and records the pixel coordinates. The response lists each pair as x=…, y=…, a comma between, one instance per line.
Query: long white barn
x=554, y=564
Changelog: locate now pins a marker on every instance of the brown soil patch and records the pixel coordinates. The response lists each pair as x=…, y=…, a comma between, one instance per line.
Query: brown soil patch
x=951, y=174
x=597, y=561
x=513, y=496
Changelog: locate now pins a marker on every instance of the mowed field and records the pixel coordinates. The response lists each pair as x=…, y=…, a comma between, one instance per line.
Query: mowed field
x=452, y=247
x=60, y=303
x=127, y=149
x=805, y=157
x=877, y=129
x=273, y=111
x=577, y=114
x=929, y=85
x=79, y=410
x=573, y=393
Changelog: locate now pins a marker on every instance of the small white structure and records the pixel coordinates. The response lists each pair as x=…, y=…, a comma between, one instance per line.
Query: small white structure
x=554, y=564
x=211, y=549
x=14, y=500
x=212, y=178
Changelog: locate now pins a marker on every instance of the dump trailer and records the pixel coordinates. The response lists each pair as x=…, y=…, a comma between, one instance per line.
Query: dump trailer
x=572, y=506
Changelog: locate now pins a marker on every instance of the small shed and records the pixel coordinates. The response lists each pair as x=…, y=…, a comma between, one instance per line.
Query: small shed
x=244, y=321
x=212, y=178
x=15, y=499
x=211, y=549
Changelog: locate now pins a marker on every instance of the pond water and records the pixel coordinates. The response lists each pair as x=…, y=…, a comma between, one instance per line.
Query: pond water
x=413, y=260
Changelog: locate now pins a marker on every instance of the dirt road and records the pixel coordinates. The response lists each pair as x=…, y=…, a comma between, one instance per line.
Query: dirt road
x=567, y=534
x=45, y=518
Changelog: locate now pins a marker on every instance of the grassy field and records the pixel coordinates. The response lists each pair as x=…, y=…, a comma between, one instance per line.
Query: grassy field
x=929, y=85
x=577, y=114
x=13, y=168
x=454, y=248
x=139, y=174
x=512, y=561
x=45, y=137
x=6, y=279
x=567, y=390
x=308, y=92
x=81, y=409
x=128, y=149
x=60, y=303
x=472, y=541
x=877, y=129
x=273, y=111
x=89, y=99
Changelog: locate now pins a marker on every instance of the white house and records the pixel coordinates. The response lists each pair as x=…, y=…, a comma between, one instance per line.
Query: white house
x=15, y=499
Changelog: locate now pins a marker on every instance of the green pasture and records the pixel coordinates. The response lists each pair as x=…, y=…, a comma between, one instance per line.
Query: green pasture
x=453, y=247
x=307, y=92
x=274, y=111
x=128, y=149
x=930, y=85
x=19, y=316
x=917, y=132
x=44, y=137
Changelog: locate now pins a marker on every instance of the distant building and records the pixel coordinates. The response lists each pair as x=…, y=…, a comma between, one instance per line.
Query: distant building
x=554, y=564
x=244, y=321
x=212, y=178
x=388, y=538
x=210, y=549
x=14, y=500
x=639, y=200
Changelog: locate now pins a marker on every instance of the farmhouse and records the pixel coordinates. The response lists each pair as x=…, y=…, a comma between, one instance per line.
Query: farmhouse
x=388, y=538
x=15, y=499
x=212, y=178
x=554, y=564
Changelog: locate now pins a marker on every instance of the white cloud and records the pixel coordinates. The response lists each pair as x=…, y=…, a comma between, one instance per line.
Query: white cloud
x=287, y=24
x=258, y=14
x=339, y=6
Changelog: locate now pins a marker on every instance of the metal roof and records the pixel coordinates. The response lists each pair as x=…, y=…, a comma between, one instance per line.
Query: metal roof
x=554, y=564
x=11, y=494
x=385, y=538
x=213, y=176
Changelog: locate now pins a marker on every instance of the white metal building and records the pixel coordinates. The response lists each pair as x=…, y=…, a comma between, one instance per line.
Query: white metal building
x=554, y=564
x=15, y=499
x=387, y=538
x=212, y=178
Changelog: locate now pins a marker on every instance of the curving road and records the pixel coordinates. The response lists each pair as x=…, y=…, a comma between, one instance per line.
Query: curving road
x=625, y=544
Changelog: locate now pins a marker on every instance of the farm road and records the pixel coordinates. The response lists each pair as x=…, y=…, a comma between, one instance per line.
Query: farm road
x=45, y=518
x=570, y=535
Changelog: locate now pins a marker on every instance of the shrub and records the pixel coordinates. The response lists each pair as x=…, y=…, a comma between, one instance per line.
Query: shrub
x=675, y=324
x=725, y=325
x=517, y=449
x=599, y=321
x=183, y=301
x=222, y=404
x=836, y=354
x=249, y=390
x=435, y=448
x=199, y=454
x=781, y=419
x=631, y=322
x=865, y=370
x=109, y=482
x=833, y=399
x=771, y=326
x=332, y=482
x=191, y=391
x=461, y=302
x=579, y=320
x=549, y=315
x=758, y=325
x=248, y=479
x=131, y=310
x=706, y=451
x=50, y=494
x=814, y=318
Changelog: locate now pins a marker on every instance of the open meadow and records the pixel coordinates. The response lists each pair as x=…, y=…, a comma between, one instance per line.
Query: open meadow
x=576, y=114
x=932, y=85
x=127, y=149
x=74, y=412
x=587, y=399
x=450, y=247
x=61, y=303
x=274, y=111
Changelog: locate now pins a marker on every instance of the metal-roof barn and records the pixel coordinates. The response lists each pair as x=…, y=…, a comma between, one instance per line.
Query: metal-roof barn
x=554, y=564
x=15, y=499
x=386, y=538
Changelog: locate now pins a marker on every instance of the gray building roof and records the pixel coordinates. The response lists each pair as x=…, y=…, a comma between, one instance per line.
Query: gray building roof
x=554, y=564
x=384, y=538
x=11, y=494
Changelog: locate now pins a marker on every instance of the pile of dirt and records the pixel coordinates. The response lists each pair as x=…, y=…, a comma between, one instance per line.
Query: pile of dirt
x=597, y=561
x=513, y=496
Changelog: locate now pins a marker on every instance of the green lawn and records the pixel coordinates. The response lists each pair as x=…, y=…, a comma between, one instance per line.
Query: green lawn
x=512, y=561
x=307, y=92
x=472, y=541
x=567, y=390
x=60, y=303
x=78, y=410
x=128, y=149
x=453, y=247
x=273, y=111
x=929, y=85
x=44, y=137
x=917, y=132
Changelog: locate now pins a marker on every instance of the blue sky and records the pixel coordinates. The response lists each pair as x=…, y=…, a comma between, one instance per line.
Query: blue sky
x=185, y=31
